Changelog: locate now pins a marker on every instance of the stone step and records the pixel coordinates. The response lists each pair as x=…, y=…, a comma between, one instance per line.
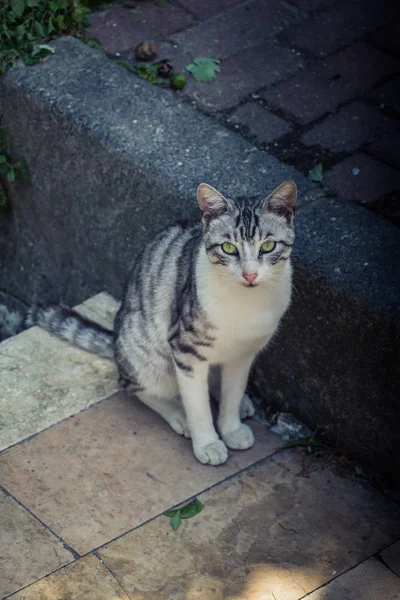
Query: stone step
x=45, y=380
x=119, y=159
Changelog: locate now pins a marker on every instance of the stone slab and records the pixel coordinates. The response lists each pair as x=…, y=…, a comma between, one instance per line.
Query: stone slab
x=280, y=529
x=386, y=148
x=351, y=127
x=388, y=39
x=327, y=83
x=391, y=557
x=362, y=179
x=45, y=380
x=388, y=94
x=243, y=74
x=260, y=122
x=118, y=29
x=339, y=25
x=243, y=27
x=368, y=581
x=28, y=551
x=86, y=579
x=111, y=468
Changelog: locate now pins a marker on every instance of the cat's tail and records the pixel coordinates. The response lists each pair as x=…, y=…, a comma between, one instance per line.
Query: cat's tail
x=70, y=326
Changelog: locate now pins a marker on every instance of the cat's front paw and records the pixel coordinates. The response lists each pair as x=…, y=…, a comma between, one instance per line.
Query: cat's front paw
x=246, y=407
x=215, y=453
x=177, y=420
x=241, y=439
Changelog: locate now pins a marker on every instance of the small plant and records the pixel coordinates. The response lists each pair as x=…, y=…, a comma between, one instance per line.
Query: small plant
x=25, y=26
x=10, y=169
x=184, y=512
x=148, y=72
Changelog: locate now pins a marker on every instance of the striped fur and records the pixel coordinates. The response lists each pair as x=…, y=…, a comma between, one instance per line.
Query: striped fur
x=189, y=310
x=70, y=326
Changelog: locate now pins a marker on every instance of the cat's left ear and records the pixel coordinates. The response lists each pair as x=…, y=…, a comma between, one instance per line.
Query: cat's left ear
x=212, y=203
x=283, y=200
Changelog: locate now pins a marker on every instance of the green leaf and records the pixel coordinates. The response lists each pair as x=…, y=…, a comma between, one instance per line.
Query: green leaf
x=160, y=4
x=53, y=6
x=39, y=30
x=192, y=509
x=20, y=30
x=176, y=520
x=3, y=168
x=2, y=158
x=61, y=22
x=204, y=69
x=11, y=175
x=170, y=513
x=18, y=7
x=136, y=11
x=316, y=174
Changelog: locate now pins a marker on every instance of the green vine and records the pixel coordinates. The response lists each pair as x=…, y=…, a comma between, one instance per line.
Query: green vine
x=26, y=26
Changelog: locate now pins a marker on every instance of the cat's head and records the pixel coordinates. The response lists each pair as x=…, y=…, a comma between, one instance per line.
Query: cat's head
x=249, y=240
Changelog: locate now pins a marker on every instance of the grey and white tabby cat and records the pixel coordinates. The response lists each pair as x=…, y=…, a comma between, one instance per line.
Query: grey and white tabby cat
x=201, y=302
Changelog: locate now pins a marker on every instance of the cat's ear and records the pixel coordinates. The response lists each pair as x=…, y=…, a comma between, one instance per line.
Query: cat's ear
x=212, y=203
x=283, y=200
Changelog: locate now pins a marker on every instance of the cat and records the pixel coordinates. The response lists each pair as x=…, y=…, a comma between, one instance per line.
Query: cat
x=200, y=303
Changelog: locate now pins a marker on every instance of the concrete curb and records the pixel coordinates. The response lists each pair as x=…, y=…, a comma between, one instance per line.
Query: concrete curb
x=114, y=160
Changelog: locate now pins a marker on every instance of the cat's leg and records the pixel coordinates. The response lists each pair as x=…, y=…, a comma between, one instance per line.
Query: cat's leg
x=235, y=434
x=170, y=409
x=193, y=386
x=214, y=380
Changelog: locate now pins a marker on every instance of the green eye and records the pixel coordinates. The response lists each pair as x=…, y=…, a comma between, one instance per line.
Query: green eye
x=267, y=246
x=229, y=248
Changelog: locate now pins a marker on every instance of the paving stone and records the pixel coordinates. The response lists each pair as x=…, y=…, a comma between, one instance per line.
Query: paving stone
x=243, y=74
x=388, y=94
x=282, y=528
x=351, y=127
x=261, y=123
x=118, y=29
x=368, y=581
x=387, y=148
x=231, y=33
x=362, y=179
x=325, y=84
x=111, y=468
x=388, y=39
x=391, y=556
x=45, y=380
x=205, y=10
x=339, y=25
x=27, y=543
x=86, y=579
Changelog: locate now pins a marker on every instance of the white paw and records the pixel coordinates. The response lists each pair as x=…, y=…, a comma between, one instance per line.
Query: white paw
x=246, y=407
x=215, y=453
x=241, y=439
x=177, y=420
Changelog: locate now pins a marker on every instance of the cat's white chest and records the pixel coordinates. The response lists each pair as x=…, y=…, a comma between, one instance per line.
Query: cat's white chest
x=245, y=321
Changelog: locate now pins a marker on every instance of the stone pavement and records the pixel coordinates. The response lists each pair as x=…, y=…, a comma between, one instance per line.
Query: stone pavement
x=85, y=483
x=309, y=81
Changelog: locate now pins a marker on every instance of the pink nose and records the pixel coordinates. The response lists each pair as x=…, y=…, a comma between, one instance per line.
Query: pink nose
x=250, y=277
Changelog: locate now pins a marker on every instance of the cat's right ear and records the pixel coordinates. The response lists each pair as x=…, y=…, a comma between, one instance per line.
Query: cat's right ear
x=212, y=203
